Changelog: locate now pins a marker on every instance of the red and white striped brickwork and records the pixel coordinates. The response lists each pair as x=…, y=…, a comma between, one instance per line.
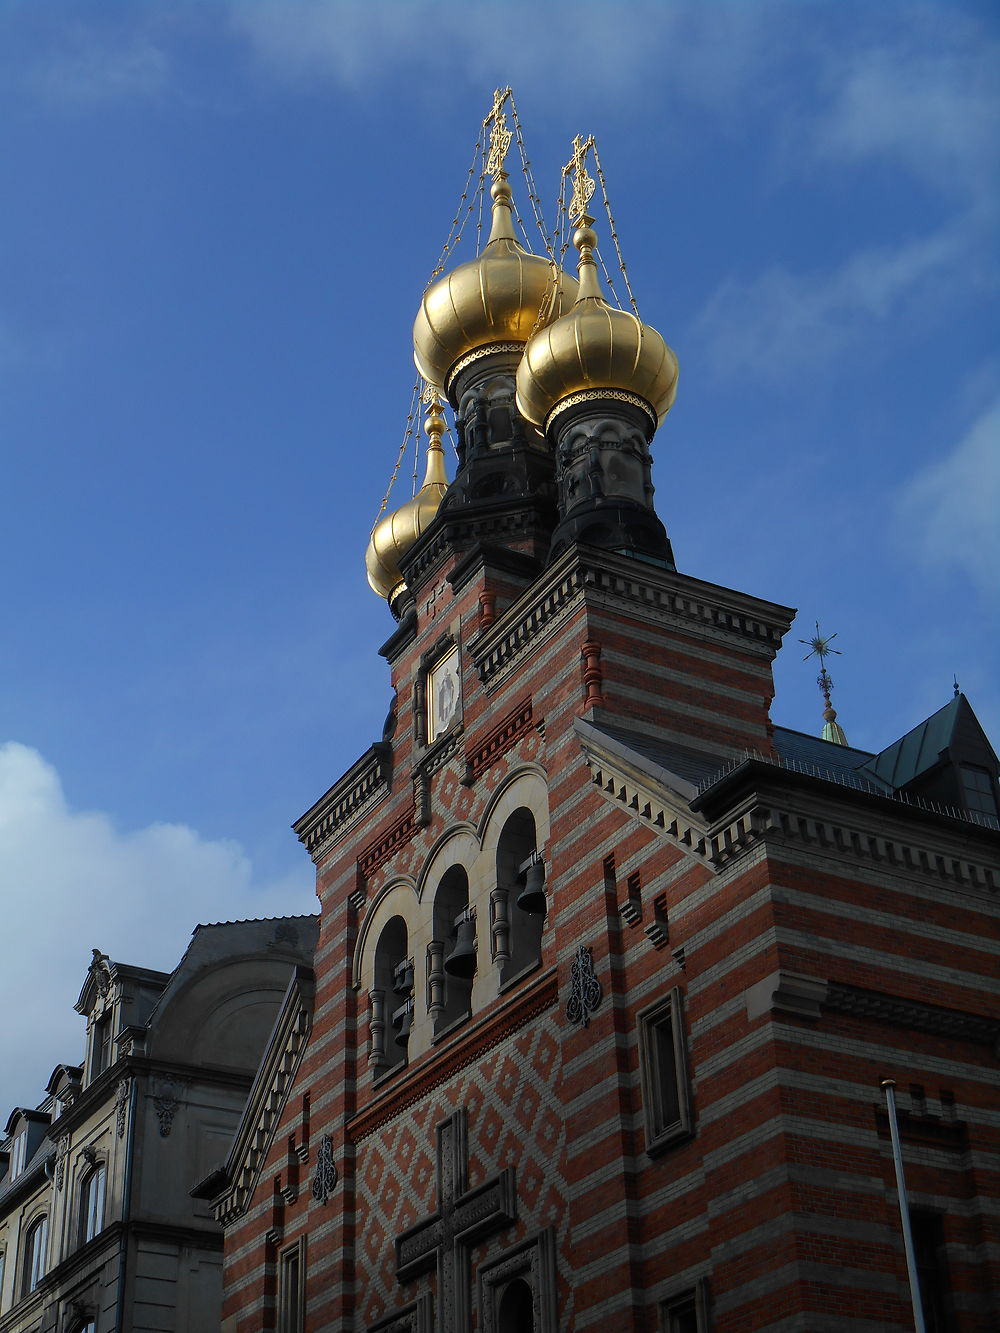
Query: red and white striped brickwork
x=782, y=1201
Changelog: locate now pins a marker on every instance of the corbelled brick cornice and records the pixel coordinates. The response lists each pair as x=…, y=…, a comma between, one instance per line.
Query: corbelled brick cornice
x=643, y=590
x=355, y=794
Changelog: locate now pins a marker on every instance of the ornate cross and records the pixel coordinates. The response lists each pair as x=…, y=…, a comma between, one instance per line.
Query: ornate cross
x=463, y=1218
x=500, y=135
x=583, y=183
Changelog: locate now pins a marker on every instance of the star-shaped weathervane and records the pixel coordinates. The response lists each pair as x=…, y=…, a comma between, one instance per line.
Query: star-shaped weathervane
x=819, y=646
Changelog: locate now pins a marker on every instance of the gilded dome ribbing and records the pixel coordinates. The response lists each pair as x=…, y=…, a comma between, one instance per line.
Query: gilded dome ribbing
x=394, y=534
x=592, y=348
x=499, y=297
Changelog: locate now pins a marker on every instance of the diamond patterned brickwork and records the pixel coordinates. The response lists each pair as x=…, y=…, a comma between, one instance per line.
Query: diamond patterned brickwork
x=513, y=1120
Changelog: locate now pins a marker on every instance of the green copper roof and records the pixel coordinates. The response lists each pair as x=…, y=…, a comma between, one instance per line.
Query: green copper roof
x=921, y=748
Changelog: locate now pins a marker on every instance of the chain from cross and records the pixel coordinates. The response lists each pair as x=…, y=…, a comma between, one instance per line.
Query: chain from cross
x=584, y=184
x=500, y=135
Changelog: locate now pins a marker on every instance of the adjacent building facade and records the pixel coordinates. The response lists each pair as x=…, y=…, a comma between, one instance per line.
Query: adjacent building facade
x=98, y=1232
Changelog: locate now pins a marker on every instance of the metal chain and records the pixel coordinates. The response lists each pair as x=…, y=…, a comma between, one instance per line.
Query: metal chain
x=459, y=220
x=407, y=434
x=608, y=279
x=614, y=233
x=480, y=195
x=536, y=203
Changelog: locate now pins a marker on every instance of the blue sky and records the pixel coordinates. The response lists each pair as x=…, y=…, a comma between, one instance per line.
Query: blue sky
x=218, y=221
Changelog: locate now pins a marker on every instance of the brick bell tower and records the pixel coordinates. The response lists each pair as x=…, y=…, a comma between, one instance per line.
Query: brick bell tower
x=540, y=620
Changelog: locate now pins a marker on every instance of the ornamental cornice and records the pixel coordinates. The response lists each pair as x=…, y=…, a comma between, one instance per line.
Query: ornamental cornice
x=810, y=997
x=771, y=816
x=881, y=1007
x=354, y=796
x=644, y=591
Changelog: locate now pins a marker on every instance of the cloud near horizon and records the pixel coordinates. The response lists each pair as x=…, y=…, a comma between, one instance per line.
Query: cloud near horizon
x=72, y=882
x=946, y=515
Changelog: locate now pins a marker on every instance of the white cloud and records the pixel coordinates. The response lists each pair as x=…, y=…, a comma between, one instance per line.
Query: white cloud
x=775, y=324
x=88, y=67
x=72, y=881
x=928, y=103
x=948, y=515
x=587, y=48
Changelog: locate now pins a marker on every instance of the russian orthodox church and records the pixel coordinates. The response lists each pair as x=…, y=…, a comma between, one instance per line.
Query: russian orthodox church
x=612, y=967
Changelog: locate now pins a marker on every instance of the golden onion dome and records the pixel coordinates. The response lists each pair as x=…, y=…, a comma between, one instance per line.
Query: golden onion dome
x=394, y=534
x=592, y=349
x=498, y=298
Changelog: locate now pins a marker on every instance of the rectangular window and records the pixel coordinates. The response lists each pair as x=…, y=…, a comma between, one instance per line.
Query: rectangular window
x=687, y=1311
x=663, y=1069
x=932, y=1269
x=18, y=1155
x=292, y=1289
x=100, y=1050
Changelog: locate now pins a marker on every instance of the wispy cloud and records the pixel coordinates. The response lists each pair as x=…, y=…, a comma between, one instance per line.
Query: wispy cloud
x=74, y=881
x=924, y=103
x=87, y=67
x=947, y=515
x=781, y=321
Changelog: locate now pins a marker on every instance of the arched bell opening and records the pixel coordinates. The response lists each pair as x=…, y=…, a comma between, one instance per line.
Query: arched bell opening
x=452, y=954
x=391, y=998
x=519, y=900
x=516, y=1311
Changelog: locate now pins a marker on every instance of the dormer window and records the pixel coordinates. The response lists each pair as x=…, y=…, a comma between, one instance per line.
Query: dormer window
x=18, y=1154
x=977, y=790
x=100, y=1057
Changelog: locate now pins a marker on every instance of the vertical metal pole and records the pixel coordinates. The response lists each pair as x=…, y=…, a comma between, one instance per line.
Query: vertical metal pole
x=889, y=1085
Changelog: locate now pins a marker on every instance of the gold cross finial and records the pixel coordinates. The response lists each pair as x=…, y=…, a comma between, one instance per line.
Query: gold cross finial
x=500, y=135
x=583, y=183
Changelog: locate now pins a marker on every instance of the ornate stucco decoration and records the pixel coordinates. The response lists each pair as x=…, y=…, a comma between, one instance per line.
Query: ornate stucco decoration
x=121, y=1105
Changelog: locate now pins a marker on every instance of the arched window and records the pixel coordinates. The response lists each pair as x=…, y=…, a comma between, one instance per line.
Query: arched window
x=520, y=895
x=391, y=998
x=516, y=1313
x=452, y=952
x=35, y=1244
x=92, y=1202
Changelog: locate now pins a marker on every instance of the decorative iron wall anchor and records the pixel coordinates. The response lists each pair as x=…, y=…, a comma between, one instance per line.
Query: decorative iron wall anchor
x=585, y=990
x=325, y=1177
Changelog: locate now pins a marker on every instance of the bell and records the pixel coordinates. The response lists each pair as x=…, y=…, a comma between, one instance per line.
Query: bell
x=402, y=1022
x=402, y=977
x=532, y=896
x=461, y=961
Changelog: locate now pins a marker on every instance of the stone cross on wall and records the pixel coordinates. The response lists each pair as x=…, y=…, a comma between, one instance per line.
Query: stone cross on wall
x=463, y=1218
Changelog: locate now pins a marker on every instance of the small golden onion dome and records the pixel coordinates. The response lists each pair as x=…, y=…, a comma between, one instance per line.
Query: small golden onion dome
x=594, y=347
x=495, y=298
x=394, y=534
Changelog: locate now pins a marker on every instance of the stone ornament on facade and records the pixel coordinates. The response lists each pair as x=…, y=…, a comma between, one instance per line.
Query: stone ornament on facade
x=325, y=1175
x=62, y=1151
x=585, y=989
x=121, y=1106
x=166, y=1108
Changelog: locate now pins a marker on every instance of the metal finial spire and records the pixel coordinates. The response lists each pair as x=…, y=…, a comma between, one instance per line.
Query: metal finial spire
x=957, y=690
x=500, y=135
x=819, y=646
